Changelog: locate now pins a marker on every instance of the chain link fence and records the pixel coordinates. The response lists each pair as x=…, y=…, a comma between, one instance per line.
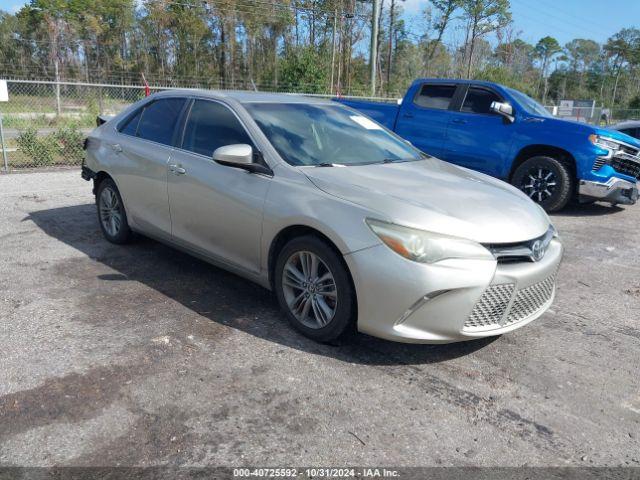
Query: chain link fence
x=45, y=123
x=595, y=115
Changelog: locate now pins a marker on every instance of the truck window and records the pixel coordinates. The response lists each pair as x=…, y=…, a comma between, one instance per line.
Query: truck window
x=435, y=96
x=478, y=100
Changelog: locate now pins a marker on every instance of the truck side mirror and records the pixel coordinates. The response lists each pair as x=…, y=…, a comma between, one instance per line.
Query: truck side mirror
x=503, y=108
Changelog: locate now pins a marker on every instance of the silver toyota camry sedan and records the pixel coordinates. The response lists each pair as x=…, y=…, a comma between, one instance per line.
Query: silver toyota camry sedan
x=349, y=225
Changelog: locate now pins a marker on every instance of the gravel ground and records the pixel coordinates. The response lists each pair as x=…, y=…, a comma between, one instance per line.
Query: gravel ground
x=142, y=355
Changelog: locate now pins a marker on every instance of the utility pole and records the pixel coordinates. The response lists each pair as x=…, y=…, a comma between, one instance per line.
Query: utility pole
x=58, y=107
x=373, y=54
x=391, y=12
x=333, y=48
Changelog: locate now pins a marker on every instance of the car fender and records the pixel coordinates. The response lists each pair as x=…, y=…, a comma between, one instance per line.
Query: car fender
x=294, y=201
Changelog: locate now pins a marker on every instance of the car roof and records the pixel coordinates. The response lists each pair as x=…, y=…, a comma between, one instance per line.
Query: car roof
x=246, y=97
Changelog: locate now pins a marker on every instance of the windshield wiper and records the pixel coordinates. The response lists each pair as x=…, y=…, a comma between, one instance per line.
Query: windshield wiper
x=325, y=164
x=399, y=160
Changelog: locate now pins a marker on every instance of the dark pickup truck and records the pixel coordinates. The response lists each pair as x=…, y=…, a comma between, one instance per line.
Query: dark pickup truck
x=504, y=133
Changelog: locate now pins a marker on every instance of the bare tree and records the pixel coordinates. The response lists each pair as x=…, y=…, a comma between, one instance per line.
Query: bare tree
x=483, y=17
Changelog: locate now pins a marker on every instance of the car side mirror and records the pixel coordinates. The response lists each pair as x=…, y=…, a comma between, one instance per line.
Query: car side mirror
x=503, y=108
x=241, y=156
x=234, y=155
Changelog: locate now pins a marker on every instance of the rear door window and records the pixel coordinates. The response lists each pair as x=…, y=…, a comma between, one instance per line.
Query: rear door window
x=130, y=126
x=478, y=100
x=159, y=119
x=435, y=96
x=212, y=125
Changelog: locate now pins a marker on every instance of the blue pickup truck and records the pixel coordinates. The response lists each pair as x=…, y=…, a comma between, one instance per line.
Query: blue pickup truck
x=504, y=133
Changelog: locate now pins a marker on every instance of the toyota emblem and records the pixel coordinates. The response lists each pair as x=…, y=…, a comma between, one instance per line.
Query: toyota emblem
x=537, y=250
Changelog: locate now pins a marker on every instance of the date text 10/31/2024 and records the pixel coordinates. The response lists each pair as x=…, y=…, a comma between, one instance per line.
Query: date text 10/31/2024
x=315, y=473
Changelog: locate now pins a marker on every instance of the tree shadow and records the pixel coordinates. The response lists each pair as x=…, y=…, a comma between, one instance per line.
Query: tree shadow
x=221, y=296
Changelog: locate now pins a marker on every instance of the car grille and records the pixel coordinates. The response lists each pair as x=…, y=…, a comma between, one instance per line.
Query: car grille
x=492, y=310
x=598, y=164
x=625, y=165
x=491, y=307
x=520, y=252
x=629, y=150
x=529, y=300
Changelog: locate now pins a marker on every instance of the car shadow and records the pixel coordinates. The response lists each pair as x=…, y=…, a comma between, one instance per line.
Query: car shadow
x=221, y=296
x=588, y=210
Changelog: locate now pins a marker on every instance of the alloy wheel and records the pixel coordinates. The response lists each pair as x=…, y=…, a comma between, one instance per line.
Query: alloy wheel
x=110, y=214
x=540, y=184
x=309, y=289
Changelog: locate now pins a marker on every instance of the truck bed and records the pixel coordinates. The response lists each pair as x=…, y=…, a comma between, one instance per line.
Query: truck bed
x=382, y=112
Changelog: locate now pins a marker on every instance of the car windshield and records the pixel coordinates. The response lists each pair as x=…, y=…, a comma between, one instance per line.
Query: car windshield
x=529, y=105
x=327, y=135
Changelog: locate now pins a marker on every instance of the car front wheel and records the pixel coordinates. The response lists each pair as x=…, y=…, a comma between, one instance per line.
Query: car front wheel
x=111, y=214
x=314, y=289
x=547, y=181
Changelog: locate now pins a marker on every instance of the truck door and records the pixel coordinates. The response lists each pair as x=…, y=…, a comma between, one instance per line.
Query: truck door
x=476, y=137
x=423, y=119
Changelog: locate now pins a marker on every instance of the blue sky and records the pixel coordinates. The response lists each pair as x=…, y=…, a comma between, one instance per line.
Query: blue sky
x=562, y=19
x=534, y=19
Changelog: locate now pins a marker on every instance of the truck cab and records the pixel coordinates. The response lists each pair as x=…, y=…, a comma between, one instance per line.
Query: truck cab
x=504, y=133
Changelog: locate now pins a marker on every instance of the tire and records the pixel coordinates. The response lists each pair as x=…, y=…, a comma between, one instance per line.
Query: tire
x=535, y=178
x=295, y=291
x=111, y=214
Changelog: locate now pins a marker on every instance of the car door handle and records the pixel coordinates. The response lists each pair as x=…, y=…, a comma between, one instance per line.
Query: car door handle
x=178, y=170
x=407, y=115
x=459, y=121
x=116, y=147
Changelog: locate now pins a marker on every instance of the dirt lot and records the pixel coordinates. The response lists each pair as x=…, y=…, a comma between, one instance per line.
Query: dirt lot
x=141, y=355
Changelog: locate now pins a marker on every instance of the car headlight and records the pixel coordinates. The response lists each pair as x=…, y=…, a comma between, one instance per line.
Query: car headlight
x=604, y=142
x=426, y=247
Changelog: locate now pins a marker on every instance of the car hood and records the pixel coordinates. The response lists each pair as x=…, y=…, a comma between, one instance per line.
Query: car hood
x=437, y=196
x=584, y=129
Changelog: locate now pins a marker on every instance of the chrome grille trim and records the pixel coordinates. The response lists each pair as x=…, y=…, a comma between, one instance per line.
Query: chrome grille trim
x=522, y=251
x=501, y=305
x=627, y=165
x=629, y=150
x=530, y=300
x=599, y=163
x=491, y=307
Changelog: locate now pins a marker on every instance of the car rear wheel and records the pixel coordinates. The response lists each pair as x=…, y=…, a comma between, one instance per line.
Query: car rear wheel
x=111, y=214
x=314, y=289
x=547, y=181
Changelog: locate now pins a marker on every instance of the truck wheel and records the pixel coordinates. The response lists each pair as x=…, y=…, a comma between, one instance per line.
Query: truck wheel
x=111, y=214
x=547, y=181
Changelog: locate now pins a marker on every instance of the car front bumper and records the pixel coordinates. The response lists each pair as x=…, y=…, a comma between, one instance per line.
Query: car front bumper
x=452, y=300
x=615, y=190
